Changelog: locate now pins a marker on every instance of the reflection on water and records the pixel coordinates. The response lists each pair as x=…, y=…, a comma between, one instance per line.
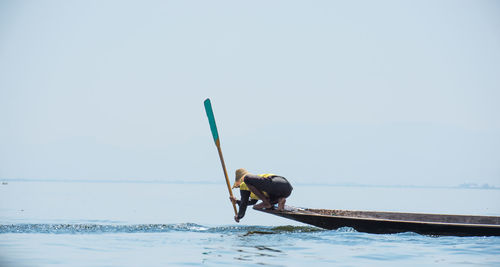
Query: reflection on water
x=258, y=233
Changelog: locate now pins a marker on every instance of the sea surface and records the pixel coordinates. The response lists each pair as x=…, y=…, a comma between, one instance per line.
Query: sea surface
x=120, y=223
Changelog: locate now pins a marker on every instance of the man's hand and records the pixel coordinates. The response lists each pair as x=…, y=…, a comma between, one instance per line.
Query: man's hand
x=233, y=199
x=237, y=219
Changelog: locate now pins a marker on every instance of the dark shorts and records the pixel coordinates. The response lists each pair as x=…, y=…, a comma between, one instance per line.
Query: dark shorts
x=276, y=187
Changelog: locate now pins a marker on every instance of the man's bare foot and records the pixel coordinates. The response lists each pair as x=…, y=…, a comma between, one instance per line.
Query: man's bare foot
x=262, y=205
x=281, y=204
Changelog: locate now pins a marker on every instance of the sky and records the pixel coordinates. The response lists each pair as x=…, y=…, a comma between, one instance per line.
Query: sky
x=336, y=92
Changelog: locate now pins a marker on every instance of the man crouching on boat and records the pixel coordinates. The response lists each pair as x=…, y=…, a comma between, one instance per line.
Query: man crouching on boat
x=270, y=188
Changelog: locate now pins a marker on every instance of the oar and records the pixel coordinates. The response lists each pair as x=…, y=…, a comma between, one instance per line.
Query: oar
x=215, y=134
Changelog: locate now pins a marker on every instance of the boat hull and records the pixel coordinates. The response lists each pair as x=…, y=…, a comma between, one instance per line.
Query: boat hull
x=407, y=222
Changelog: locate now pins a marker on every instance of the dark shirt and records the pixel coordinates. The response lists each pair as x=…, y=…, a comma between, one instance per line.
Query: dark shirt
x=244, y=202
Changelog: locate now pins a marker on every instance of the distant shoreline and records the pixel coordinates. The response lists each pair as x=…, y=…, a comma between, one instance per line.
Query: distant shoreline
x=5, y=181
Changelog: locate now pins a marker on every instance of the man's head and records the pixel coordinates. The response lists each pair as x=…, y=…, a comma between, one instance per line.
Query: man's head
x=239, y=175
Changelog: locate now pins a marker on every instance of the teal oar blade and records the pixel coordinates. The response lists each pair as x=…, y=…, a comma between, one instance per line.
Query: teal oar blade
x=211, y=119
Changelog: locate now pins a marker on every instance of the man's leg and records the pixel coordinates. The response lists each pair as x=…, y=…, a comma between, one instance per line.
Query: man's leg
x=281, y=204
x=281, y=189
x=265, y=200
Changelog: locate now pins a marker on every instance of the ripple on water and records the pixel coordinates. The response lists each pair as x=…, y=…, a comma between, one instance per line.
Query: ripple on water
x=148, y=228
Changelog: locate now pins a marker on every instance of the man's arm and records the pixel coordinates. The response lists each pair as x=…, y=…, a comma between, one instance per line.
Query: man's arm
x=243, y=203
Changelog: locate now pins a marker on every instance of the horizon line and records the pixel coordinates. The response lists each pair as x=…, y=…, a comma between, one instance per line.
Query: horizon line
x=160, y=181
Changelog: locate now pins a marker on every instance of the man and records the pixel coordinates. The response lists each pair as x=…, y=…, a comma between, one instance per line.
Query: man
x=269, y=188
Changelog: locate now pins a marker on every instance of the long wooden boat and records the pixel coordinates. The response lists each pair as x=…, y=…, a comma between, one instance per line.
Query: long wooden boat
x=395, y=222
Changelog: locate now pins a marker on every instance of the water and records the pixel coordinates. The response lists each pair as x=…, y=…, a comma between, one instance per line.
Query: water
x=156, y=224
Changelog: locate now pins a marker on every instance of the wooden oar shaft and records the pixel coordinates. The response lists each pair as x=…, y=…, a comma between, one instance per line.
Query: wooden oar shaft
x=215, y=134
x=217, y=143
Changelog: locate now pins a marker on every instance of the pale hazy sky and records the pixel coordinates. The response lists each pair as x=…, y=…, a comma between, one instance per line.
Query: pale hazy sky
x=370, y=92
